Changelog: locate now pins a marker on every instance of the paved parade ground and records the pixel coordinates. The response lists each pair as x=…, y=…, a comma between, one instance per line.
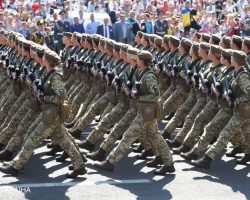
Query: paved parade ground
x=44, y=179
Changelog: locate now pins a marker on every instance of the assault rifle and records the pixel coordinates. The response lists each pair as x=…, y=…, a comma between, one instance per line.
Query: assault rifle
x=217, y=86
x=228, y=92
x=205, y=84
x=189, y=74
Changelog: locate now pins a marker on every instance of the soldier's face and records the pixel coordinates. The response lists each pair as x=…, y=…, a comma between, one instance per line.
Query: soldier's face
x=244, y=48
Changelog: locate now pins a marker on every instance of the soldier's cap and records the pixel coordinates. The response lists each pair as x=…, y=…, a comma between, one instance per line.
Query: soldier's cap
x=26, y=45
x=109, y=44
x=226, y=41
x=132, y=53
x=33, y=47
x=205, y=37
x=62, y=12
x=102, y=41
x=215, y=39
x=117, y=46
x=39, y=51
x=52, y=57
x=146, y=37
x=186, y=44
x=158, y=41
x=78, y=37
x=96, y=39
x=40, y=22
x=124, y=48
x=17, y=39
x=140, y=34
x=89, y=38
x=237, y=40
x=215, y=50
x=197, y=35
x=205, y=46
x=239, y=56
x=20, y=42
x=67, y=34
x=226, y=53
x=174, y=40
x=246, y=42
x=145, y=55
x=152, y=38
x=84, y=36
x=195, y=47
x=166, y=39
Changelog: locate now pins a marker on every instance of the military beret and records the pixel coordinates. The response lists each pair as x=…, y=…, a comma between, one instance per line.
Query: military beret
x=158, y=41
x=152, y=38
x=197, y=35
x=109, y=44
x=174, y=40
x=95, y=39
x=239, y=56
x=124, y=48
x=246, y=42
x=145, y=55
x=83, y=37
x=195, y=47
x=52, y=57
x=146, y=37
x=226, y=53
x=226, y=41
x=140, y=34
x=186, y=44
x=102, y=41
x=132, y=52
x=205, y=37
x=205, y=46
x=67, y=34
x=117, y=46
x=166, y=39
x=215, y=39
x=89, y=38
x=215, y=50
x=78, y=37
x=39, y=51
x=237, y=40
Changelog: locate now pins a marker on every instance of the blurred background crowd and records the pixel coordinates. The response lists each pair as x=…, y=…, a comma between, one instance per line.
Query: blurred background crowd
x=121, y=19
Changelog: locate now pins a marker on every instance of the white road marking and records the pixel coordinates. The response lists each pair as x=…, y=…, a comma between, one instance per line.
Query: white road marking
x=68, y=184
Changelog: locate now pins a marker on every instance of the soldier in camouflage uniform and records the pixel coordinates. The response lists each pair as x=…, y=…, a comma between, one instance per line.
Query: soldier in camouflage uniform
x=145, y=121
x=241, y=92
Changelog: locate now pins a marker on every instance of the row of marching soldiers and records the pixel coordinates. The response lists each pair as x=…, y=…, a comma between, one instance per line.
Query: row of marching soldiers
x=202, y=86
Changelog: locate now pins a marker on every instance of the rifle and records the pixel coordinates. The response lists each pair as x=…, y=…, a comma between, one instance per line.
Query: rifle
x=16, y=74
x=175, y=69
x=217, y=86
x=109, y=76
x=196, y=78
x=128, y=84
x=117, y=81
x=205, y=84
x=189, y=74
x=228, y=92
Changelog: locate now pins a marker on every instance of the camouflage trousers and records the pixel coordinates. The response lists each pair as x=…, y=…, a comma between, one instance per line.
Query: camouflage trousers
x=12, y=126
x=246, y=134
x=174, y=102
x=212, y=130
x=109, y=120
x=202, y=119
x=107, y=110
x=71, y=92
x=96, y=109
x=68, y=83
x=234, y=126
x=5, y=97
x=57, y=133
x=23, y=129
x=138, y=129
x=189, y=121
x=181, y=114
x=4, y=86
x=76, y=103
x=92, y=95
x=167, y=93
x=75, y=92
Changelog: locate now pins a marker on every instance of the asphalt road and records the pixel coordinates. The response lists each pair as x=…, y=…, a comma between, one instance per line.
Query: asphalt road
x=44, y=179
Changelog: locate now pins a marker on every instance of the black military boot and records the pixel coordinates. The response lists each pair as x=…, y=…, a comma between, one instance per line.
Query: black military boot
x=69, y=125
x=98, y=155
x=85, y=144
x=6, y=155
x=145, y=154
x=190, y=155
x=234, y=151
x=166, y=135
x=173, y=143
x=204, y=162
x=51, y=145
x=183, y=148
x=243, y=160
x=156, y=161
x=1, y=147
x=62, y=157
x=76, y=133
x=138, y=149
x=164, y=169
x=105, y=165
x=71, y=167
x=55, y=150
x=9, y=170
x=76, y=172
x=169, y=117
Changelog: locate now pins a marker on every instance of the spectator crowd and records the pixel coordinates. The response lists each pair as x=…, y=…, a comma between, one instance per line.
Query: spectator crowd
x=126, y=17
